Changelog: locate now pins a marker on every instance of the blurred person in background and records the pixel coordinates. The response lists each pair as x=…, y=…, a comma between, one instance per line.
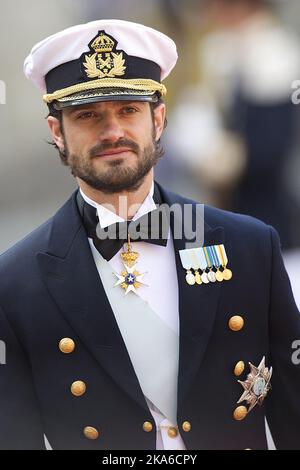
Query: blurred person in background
x=244, y=122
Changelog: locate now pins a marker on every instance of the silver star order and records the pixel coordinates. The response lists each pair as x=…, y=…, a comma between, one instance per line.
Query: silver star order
x=130, y=279
x=257, y=384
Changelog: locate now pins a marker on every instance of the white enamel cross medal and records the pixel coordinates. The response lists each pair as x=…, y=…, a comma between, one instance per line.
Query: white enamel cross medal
x=130, y=279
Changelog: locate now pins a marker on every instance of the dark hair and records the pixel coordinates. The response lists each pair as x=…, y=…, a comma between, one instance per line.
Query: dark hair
x=59, y=115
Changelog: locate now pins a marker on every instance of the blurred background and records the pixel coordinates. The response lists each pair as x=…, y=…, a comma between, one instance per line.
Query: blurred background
x=233, y=135
x=232, y=139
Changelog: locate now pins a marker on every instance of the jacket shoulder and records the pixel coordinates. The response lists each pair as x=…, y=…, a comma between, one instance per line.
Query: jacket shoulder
x=38, y=239
x=33, y=242
x=235, y=222
x=238, y=227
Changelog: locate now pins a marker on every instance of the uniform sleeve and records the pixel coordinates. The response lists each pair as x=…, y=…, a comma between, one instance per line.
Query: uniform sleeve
x=283, y=401
x=20, y=422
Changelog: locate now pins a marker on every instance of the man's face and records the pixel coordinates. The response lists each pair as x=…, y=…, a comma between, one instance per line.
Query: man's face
x=110, y=145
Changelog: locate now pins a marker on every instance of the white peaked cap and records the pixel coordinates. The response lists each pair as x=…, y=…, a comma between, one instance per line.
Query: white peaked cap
x=131, y=60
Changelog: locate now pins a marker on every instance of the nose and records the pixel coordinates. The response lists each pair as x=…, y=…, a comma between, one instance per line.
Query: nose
x=111, y=129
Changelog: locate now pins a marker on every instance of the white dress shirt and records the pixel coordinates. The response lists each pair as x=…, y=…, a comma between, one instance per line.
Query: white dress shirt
x=153, y=260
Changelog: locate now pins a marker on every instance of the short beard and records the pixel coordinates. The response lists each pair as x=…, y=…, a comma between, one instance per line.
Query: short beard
x=115, y=179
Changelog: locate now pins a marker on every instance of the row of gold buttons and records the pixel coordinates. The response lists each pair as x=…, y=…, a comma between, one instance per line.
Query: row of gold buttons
x=67, y=346
x=236, y=323
x=172, y=430
x=93, y=433
x=78, y=388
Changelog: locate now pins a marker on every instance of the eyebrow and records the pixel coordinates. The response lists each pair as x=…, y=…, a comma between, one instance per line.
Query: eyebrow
x=91, y=106
x=77, y=109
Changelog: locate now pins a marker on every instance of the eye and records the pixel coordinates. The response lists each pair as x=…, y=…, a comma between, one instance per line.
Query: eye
x=85, y=115
x=129, y=110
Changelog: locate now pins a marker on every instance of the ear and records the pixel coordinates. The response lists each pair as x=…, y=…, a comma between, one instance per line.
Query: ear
x=56, y=132
x=159, y=120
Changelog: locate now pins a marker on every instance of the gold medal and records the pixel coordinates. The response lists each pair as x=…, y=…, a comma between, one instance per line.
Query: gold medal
x=219, y=276
x=217, y=263
x=227, y=274
x=198, y=278
x=196, y=267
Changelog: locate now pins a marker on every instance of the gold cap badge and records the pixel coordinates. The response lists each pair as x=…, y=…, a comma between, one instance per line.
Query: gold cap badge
x=104, y=61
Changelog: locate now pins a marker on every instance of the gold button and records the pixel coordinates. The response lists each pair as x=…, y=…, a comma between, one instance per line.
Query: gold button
x=186, y=426
x=91, y=433
x=147, y=426
x=240, y=413
x=172, y=431
x=78, y=388
x=236, y=323
x=239, y=368
x=66, y=345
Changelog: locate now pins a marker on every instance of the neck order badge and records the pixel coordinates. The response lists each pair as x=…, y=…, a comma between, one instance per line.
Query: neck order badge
x=130, y=279
x=211, y=261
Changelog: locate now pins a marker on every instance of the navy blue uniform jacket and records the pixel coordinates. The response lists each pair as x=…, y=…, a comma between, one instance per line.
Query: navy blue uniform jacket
x=50, y=289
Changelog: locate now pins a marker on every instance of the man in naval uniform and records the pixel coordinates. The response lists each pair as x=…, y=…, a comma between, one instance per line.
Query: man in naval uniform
x=117, y=342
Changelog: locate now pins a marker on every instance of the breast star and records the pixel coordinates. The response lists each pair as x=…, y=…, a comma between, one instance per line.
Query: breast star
x=257, y=384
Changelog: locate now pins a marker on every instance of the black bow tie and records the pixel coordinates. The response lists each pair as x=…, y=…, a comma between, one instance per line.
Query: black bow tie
x=152, y=227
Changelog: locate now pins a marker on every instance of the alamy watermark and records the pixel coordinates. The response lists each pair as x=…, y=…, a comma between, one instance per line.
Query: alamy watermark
x=2, y=92
x=296, y=353
x=186, y=221
x=2, y=352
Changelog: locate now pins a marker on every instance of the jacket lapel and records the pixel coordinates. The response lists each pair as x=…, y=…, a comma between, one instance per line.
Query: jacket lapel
x=72, y=279
x=197, y=305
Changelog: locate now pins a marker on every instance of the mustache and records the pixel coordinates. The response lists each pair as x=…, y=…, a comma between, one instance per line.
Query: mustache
x=94, y=151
